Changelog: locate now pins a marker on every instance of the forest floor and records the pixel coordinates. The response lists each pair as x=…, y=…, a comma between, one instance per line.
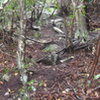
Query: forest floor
x=63, y=81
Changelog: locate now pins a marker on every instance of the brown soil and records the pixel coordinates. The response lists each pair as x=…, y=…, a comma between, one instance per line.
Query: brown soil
x=64, y=81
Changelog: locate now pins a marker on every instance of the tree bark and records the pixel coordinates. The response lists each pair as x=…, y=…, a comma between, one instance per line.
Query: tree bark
x=96, y=62
x=81, y=27
x=78, y=22
x=21, y=50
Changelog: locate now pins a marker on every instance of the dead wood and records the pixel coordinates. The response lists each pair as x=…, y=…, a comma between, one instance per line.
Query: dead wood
x=96, y=60
x=77, y=45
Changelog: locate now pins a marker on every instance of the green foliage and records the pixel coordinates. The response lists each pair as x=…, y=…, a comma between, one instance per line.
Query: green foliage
x=55, y=3
x=29, y=4
x=30, y=85
x=97, y=29
x=25, y=66
x=6, y=70
x=6, y=15
x=50, y=10
x=51, y=48
x=12, y=10
x=31, y=82
x=37, y=35
x=96, y=76
x=2, y=2
x=71, y=16
x=41, y=84
x=23, y=93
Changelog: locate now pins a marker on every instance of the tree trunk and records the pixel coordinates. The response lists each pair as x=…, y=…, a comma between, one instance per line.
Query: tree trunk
x=96, y=62
x=81, y=27
x=65, y=10
x=77, y=23
x=21, y=50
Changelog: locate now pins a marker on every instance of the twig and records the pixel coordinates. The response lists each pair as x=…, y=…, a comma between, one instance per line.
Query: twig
x=75, y=94
x=1, y=44
x=7, y=54
x=96, y=88
x=33, y=39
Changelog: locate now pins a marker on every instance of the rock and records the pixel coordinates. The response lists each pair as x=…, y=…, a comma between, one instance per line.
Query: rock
x=58, y=30
x=51, y=59
x=37, y=28
x=6, y=94
x=51, y=48
x=6, y=77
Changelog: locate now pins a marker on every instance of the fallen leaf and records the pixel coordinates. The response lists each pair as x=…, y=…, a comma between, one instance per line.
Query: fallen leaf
x=6, y=94
x=1, y=83
x=45, y=85
x=15, y=74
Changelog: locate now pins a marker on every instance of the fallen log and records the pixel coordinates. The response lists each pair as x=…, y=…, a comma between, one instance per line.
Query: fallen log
x=77, y=45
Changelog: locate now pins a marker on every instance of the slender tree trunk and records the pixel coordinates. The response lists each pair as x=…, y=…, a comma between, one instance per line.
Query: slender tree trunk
x=65, y=10
x=21, y=50
x=96, y=62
